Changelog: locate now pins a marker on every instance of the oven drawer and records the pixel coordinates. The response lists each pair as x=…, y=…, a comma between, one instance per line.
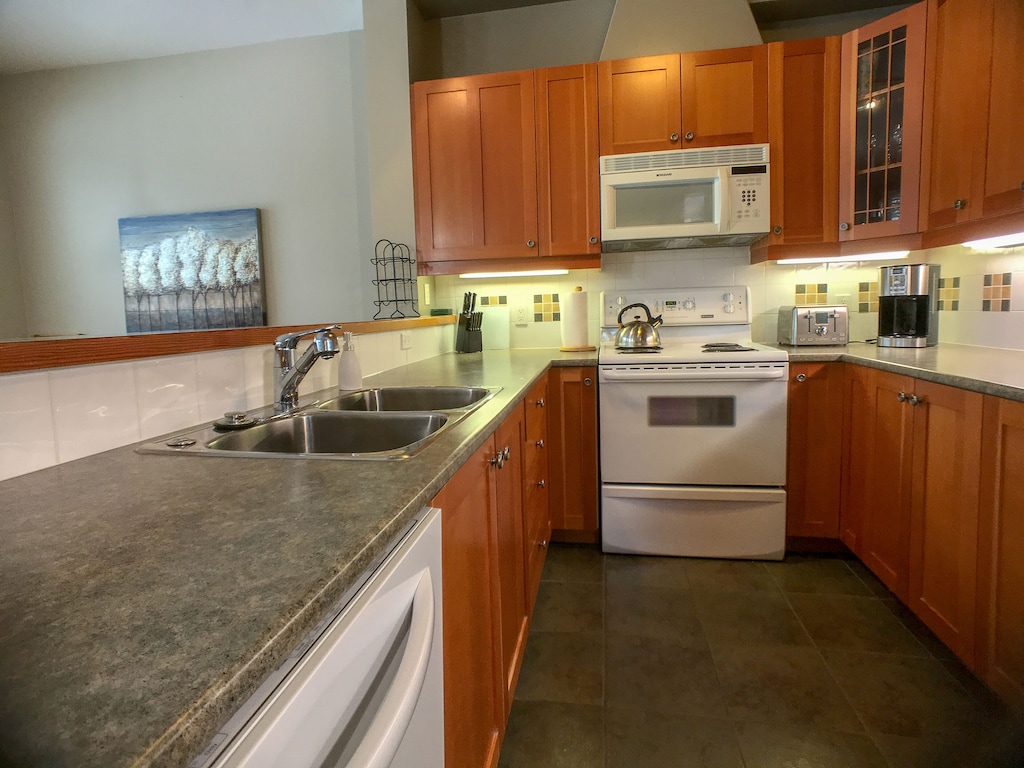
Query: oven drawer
x=746, y=523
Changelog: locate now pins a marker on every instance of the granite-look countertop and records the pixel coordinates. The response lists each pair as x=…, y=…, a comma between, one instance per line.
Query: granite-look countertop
x=988, y=370
x=143, y=598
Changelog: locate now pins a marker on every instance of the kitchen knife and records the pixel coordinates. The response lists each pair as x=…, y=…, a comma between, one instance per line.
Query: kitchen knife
x=472, y=305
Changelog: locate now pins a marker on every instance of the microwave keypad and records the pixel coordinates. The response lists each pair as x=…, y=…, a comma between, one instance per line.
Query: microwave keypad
x=745, y=189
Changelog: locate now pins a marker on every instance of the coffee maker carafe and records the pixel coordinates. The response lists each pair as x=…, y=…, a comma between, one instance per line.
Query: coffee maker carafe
x=908, y=313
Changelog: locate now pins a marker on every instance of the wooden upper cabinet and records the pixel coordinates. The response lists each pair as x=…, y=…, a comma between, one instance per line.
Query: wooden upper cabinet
x=803, y=116
x=568, y=183
x=475, y=167
x=679, y=101
x=956, y=108
x=880, y=126
x=1003, y=190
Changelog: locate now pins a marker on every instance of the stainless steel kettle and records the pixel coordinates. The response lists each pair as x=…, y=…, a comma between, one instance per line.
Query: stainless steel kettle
x=638, y=334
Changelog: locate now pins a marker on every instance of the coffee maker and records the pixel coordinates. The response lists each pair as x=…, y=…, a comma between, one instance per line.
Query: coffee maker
x=908, y=301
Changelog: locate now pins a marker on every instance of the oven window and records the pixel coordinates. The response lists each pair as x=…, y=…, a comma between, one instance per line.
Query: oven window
x=691, y=411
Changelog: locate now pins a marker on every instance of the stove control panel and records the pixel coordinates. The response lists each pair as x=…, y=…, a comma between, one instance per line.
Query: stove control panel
x=681, y=306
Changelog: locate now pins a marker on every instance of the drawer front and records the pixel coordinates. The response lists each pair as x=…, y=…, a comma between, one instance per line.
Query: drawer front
x=537, y=411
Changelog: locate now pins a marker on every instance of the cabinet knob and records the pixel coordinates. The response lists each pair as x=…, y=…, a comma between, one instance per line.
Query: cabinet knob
x=688, y=136
x=959, y=205
x=540, y=484
x=915, y=400
x=801, y=377
x=542, y=543
x=505, y=453
x=540, y=403
x=587, y=381
x=593, y=240
x=902, y=397
x=497, y=460
x=530, y=243
x=843, y=227
x=674, y=137
x=540, y=443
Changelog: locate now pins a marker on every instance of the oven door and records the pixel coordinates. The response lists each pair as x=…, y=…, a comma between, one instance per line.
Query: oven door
x=694, y=425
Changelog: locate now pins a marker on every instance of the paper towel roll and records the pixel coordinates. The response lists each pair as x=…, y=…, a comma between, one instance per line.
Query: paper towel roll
x=575, y=327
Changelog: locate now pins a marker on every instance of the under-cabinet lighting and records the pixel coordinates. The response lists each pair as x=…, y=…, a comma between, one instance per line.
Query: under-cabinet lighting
x=883, y=256
x=1003, y=241
x=527, y=273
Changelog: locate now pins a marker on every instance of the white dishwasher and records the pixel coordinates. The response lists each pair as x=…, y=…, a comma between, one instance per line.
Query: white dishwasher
x=365, y=689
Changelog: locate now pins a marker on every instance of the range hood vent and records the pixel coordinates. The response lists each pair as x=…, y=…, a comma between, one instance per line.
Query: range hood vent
x=747, y=154
x=681, y=243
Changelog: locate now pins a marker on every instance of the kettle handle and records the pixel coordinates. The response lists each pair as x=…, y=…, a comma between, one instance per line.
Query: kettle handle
x=654, y=321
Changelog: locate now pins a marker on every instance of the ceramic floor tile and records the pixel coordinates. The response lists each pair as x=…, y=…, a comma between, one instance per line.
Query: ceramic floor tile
x=637, y=572
x=749, y=617
x=782, y=684
x=817, y=575
x=774, y=746
x=553, y=735
x=565, y=667
x=728, y=576
x=655, y=740
x=656, y=675
x=566, y=562
x=907, y=696
x=569, y=607
x=651, y=612
x=872, y=582
x=916, y=627
x=854, y=623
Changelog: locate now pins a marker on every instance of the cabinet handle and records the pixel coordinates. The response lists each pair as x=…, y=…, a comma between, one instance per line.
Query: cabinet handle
x=801, y=377
x=497, y=460
x=777, y=230
x=587, y=381
x=540, y=403
x=915, y=400
x=593, y=240
x=540, y=484
x=540, y=443
x=530, y=243
x=674, y=137
x=688, y=136
x=959, y=205
x=902, y=397
x=505, y=453
x=843, y=227
x=542, y=543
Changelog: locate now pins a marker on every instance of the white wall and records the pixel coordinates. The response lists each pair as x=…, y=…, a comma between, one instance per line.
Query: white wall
x=12, y=308
x=548, y=35
x=272, y=126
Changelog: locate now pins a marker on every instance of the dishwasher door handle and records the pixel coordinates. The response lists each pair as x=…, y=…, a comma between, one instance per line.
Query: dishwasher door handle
x=384, y=736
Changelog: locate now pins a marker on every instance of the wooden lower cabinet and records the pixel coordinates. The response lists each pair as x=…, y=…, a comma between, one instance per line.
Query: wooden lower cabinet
x=815, y=449
x=1000, y=643
x=572, y=428
x=473, y=703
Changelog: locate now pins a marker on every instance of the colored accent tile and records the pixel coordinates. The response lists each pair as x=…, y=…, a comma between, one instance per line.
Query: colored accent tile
x=942, y=282
x=988, y=279
x=1007, y=278
x=956, y=305
x=874, y=306
x=956, y=282
x=537, y=298
x=485, y=301
x=503, y=300
x=538, y=317
x=1006, y=305
x=822, y=287
x=547, y=298
x=986, y=305
x=862, y=306
x=801, y=289
x=554, y=297
x=556, y=315
x=864, y=287
x=942, y=305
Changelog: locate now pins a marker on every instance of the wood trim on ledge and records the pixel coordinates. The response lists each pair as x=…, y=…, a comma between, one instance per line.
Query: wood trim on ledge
x=39, y=354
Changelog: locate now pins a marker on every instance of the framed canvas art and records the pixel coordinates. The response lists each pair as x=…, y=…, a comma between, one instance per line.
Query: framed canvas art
x=193, y=271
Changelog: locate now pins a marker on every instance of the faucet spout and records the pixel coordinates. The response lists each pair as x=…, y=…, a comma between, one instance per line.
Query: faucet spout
x=289, y=371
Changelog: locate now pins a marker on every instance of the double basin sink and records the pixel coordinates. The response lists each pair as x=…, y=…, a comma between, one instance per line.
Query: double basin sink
x=383, y=423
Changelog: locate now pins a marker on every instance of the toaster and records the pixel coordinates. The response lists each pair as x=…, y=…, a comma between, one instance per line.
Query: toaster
x=813, y=325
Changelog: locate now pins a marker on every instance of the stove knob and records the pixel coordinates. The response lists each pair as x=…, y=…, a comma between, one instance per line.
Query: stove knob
x=730, y=308
x=728, y=297
x=689, y=304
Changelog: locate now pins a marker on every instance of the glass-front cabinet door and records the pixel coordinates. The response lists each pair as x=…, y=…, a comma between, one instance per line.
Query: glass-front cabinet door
x=880, y=126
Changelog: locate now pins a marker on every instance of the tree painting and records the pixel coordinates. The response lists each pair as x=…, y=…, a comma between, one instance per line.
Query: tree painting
x=192, y=271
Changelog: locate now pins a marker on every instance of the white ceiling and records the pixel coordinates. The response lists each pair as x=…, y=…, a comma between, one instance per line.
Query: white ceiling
x=49, y=34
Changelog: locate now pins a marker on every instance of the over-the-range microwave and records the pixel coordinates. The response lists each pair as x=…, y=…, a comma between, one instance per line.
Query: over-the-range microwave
x=717, y=196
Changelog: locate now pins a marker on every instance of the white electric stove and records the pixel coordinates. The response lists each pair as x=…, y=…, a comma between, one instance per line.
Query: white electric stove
x=693, y=435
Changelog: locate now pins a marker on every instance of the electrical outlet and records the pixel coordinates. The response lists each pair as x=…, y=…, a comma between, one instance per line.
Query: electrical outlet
x=426, y=294
x=843, y=298
x=520, y=315
x=405, y=338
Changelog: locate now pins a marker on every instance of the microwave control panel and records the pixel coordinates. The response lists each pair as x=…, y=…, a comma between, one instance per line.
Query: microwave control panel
x=749, y=198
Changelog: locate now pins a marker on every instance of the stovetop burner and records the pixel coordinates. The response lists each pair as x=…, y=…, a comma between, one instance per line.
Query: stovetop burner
x=638, y=350
x=725, y=346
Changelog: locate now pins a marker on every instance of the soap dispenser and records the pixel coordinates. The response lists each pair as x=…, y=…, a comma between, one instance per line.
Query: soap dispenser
x=349, y=375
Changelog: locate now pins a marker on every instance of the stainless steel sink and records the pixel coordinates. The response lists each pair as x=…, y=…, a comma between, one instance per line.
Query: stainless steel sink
x=409, y=399
x=323, y=432
x=384, y=423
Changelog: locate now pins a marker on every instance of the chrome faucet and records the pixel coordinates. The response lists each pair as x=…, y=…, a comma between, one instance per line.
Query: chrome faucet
x=289, y=371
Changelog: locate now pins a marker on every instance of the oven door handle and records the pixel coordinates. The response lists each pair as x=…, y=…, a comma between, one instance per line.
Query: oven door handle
x=752, y=374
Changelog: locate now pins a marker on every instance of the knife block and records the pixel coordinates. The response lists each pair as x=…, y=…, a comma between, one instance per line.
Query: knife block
x=467, y=339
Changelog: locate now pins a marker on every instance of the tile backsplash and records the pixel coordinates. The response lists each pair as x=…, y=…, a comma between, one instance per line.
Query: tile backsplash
x=971, y=278
x=49, y=417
